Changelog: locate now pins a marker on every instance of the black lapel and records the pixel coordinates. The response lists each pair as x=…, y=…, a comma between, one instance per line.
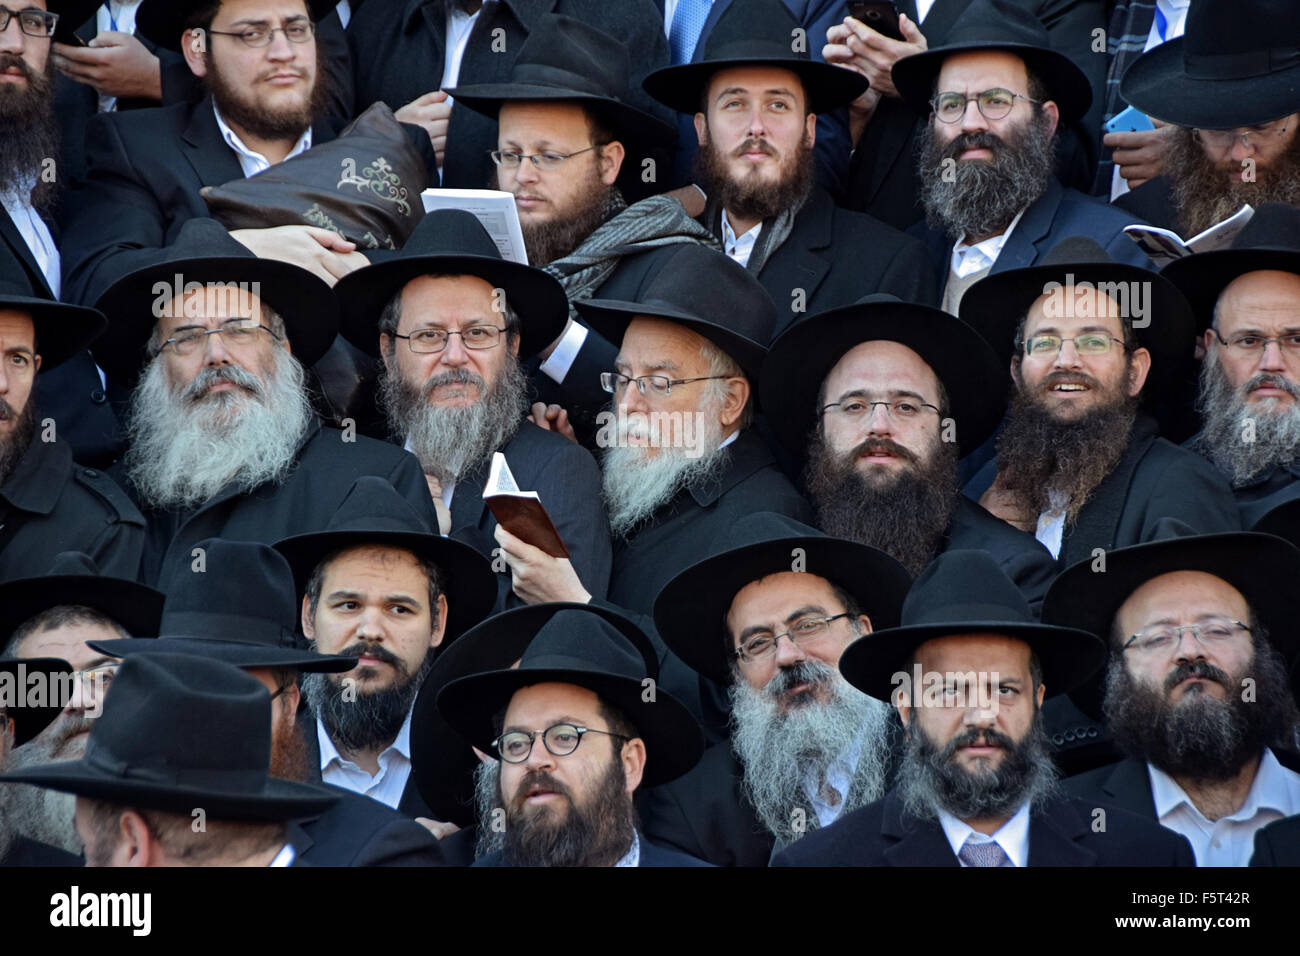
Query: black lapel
x=467, y=505
x=940, y=19
x=206, y=151
x=1035, y=225
x=1055, y=833
x=1129, y=787
x=798, y=263
x=1099, y=518
x=21, y=250
x=920, y=842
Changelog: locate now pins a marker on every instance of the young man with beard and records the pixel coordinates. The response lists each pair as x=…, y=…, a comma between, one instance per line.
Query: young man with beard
x=247, y=590
x=577, y=736
x=1079, y=464
x=996, y=94
x=1201, y=632
x=451, y=321
x=778, y=605
x=1235, y=141
x=1244, y=299
x=756, y=106
x=967, y=671
x=882, y=397
x=223, y=438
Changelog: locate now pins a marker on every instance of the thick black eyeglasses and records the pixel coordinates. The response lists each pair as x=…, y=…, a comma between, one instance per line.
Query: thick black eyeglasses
x=35, y=23
x=560, y=739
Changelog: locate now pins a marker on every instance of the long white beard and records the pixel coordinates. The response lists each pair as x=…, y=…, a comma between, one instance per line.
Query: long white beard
x=182, y=452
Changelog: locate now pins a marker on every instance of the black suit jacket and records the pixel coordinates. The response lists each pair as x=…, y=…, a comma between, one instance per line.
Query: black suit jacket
x=359, y=831
x=25, y=852
x=651, y=855
x=411, y=805
x=1278, y=844
x=1021, y=557
x=1060, y=834
x=1152, y=202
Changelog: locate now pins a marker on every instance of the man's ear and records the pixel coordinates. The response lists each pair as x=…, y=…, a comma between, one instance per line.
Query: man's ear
x=194, y=45
x=1140, y=365
x=290, y=700
x=734, y=404
x=701, y=129
x=611, y=161
x=1054, y=113
x=810, y=128
x=136, y=846
x=864, y=624
x=386, y=343
x=308, y=625
x=437, y=633
x=633, y=757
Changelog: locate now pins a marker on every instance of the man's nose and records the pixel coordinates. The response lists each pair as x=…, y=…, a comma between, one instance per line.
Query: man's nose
x=527, y=172
x=539, y=758
x=788, y=652
x=215, y=351
x=280, y=49
x=1273, y=358
x=972, y=120
x=1068, y=356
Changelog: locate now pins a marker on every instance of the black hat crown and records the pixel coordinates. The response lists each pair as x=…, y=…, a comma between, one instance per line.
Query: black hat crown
x=1275, y=225
x=964, y=587
x=758, y=29
x=998, y=21
x=450, y=232
x=234, y=591
x=373, y=505
x=568, y=54
x=1240, y=40
x=580, y=642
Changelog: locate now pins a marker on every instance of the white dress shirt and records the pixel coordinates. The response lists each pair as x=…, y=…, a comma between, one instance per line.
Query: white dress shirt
x=1230, y=840
x=840, y=776
x=252, y=162
x=1012, y=836
x=561, y=359
x=285, y=857
x=1051, y=524
x=968, y=259
x=344, y=8
x=116, y=16
x=394, y=767
x=633, y=856
x=923, y=9
x=739, y=248
x=18, y=203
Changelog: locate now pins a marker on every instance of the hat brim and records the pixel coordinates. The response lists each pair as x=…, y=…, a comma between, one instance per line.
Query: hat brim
x=977, y=381
x=689, y=618
x=30, y=721
x=246, y=656
x=163, y=21
x=827, y=87
x=625, y=122
x=1202, y=277
x=305, y=303
x=470, y=586
x=136, y=607
x=914, y=76
x=61, y=330
x=536, y=297
x=1158, y=84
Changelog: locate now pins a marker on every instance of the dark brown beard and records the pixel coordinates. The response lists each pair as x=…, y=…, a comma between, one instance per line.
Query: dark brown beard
x=289, y=752
x=284, y=125
x=1207, y=191
x=29, y=131
x=750, y=198
x=556, y=238
x=14, y=447
x=1039, y=454
x=596, y=833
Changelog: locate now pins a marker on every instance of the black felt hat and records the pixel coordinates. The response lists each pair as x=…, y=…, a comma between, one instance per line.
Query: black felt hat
x=756, y=33
x=966, y=592
x=179, y=733
x=74, y=578
x=34, y=696
x=61, y=330
x=163, y=21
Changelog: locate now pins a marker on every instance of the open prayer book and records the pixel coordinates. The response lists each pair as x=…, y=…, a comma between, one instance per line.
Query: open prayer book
x=1164, y=245
x=520, y=512
x=493, y=208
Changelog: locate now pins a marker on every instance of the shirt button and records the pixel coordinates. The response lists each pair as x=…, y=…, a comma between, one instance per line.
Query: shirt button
x=98, y=396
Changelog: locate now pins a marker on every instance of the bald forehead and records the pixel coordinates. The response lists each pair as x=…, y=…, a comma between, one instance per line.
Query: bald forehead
x=882, y=365
x=1261, y=300
x=1075, y=308
x=1180, y=596
x=207, y=304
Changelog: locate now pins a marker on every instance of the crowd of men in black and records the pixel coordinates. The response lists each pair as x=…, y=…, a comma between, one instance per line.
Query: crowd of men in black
x=908, y=513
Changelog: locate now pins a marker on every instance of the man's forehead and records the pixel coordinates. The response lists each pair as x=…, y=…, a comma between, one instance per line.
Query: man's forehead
x=977, y=70
x=68, y=642
x=269, y=10
x=430, y=298
x=207, y=304
x=551, y=701
x=17, y=326
x=755, y=80
x=649, y=339
x=1183, y=593
x=541, y=119
x=982, y=651
x=1266, y=293
x=1075, y=307
x=775, y=596
x=881, y=365
x=358, y=566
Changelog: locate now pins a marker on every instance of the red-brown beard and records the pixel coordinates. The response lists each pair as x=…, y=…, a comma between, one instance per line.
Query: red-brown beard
x=1207, y=191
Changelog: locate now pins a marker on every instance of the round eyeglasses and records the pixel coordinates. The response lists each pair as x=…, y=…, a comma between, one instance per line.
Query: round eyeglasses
x=560, y=739
x=994, y=104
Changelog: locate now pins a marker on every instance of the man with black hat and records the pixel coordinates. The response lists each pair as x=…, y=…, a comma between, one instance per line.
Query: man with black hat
x=1228, y=86
x=1079, y=465
x=967, y=671
x=756, y=105
x=1243, y=300
x=563, y=802
x=806, y=748
x=223, y=437
x=246, y=590
x=451, y=321
x=996, y=94
x=1201, y=632
x=183, y=739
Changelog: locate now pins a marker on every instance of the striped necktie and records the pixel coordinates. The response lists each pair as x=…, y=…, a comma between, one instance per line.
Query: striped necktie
x=983, y=854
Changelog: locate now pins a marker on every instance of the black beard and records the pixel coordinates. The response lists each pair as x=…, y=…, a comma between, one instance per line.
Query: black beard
x=545, y=242
x=13, y=448
x=1207, y=191
x=1039, y=454
x=1202, y=738
x=905, y=516
x=29, y=131
x=365, y=722
x=751, y=198
x=283, y=125
x=596, y=833
x=979, y=198
x=930, y=779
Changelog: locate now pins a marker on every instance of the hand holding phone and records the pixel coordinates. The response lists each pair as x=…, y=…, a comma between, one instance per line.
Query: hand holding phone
x=880, y=16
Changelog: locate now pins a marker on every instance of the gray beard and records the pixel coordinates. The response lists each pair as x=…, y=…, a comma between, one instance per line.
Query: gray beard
x=780, y=750
x=45, y=816
x=491, y=835
x=1225, y=413
x=182, y=453
x=452, y=441
x=979, y=198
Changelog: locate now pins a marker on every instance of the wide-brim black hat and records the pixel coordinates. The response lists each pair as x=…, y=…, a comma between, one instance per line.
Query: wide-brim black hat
x=30, y=720
x=442, y=763
x=578, y=646
x=179, y=733
x=1236, y=64
x=976, y=379
x=72, y=14
x=74, y=579
x=705, y=291
x=756, y=33
x=304, y=302
x=61, y=330
x=690, y=617
x=1001, y=25
x=452, y=242
x=163, y=21
x=966, y=592
x=1269, y=241
x=373, y=513
x=995, y=305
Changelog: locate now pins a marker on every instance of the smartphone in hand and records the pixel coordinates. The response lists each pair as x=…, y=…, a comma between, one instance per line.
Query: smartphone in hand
x=880, y=16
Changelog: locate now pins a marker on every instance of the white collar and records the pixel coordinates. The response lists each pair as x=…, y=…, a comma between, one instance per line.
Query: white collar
x=1012, y=836
x=234, y=142
x=633, y=855
x=980, y=255
x=1270, y=790
x=285, y=857
x=329, y=753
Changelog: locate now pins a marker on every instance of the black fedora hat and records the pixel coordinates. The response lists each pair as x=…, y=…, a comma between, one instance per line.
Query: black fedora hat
x=74, y=578
x=163, y=21
x=240, y=608
x=132, y=303
x=72, y=14
x=52, y=675
x=581, y=647
x=705, y=291
x=180, y=732
x=564, y=59
x=1282, y=520
x=452, y=242
x=691, y=609
x=974, y=376
x=995, y=305
x=1236, y=64
x=373, y=513
x=965, y=592
x=755, y=33
x=997, y=25
x=1269, y=241
x=61, y=330
x=441, y=762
